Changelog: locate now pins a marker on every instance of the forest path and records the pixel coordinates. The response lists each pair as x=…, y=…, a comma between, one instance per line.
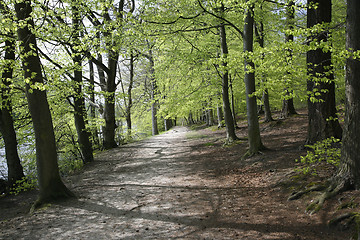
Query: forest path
x=178, y=185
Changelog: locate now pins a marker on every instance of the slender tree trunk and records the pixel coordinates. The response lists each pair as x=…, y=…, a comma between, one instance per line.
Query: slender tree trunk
x=153, y=90
x=79, y=101
x=255, y=144
x=232, y=103
x=288, y=108
x=129, y=96
x=229, y=120
x=191, y=119
x=50, y=184
x=220, y=116
x=15, y=170
x=349, y=171
x=95, y=134
x=260, y=38
x=323, y=122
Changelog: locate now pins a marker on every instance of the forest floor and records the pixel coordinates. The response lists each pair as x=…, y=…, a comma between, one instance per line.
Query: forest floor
x=186, y=184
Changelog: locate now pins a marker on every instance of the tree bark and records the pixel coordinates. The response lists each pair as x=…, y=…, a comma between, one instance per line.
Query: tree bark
x=50, y=184
x=79, y=101
x=254, y=138
x=229, y=120
x=109, y=106
x=349, y=171
x=15, y=170
x=288, y=107
x=323, y=121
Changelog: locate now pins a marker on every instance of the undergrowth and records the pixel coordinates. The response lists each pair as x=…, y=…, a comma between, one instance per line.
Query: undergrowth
x=327, y=151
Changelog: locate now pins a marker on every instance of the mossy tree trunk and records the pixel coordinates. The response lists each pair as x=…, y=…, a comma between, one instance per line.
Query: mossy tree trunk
x=50, y=184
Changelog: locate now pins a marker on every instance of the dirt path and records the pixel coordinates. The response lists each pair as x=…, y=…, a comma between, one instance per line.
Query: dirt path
x=179, y=185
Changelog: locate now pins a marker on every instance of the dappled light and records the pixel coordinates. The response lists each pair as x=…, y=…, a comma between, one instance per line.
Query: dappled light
x=175, y=186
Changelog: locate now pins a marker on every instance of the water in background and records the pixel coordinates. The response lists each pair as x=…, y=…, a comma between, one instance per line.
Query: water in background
x=3, y=165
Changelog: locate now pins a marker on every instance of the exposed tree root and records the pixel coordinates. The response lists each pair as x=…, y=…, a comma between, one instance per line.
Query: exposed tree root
x=250, y=153
x=50, y=198
x=299, y=194
x=347, y=218
x=337, y=186
x=230, y=141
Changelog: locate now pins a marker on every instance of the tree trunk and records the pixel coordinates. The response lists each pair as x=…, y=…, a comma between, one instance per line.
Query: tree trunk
x=109, y=106
x=350, y=158
x=232, y=103
x=129, y=95
x=210, y=117
x=15, y=170
x=288, y=108
x=255, y=144
x=220, y=116
x=260, y=38
x=95, y=134
x=190, y=119
x=50, y=184
x=153, y=90
x=168, y=124
x=113, y=57
x=79, y=102
x=229, y=120
x=323, y=122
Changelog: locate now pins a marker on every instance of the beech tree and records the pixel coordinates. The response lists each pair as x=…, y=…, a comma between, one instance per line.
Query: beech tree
x=79, y=101
x=228, y=116
x=50, y=184
x=348, y=175
x=255, y=143
x=288, y=102
x=323, y=120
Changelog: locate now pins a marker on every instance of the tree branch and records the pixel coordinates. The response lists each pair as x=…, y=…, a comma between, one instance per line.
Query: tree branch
x=221, y=18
